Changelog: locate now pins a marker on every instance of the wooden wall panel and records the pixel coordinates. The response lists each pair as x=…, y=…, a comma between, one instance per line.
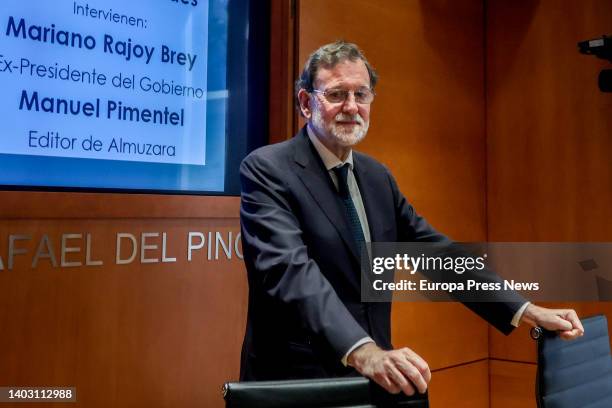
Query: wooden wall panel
x=465, y=386
x=427, y=126
x=549, y=145
x=518, y=346
x=512, y=384
x=140, y=334
x=548, y=126
x=33, y=205
x=442, y=333
x=282, y=69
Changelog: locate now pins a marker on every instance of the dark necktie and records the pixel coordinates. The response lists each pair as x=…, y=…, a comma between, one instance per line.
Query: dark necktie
x=351, y=212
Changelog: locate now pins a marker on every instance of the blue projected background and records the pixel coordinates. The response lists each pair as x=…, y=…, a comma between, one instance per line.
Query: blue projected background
x=114, y=95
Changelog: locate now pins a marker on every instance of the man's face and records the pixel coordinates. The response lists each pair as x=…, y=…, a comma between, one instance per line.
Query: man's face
x=345, y=123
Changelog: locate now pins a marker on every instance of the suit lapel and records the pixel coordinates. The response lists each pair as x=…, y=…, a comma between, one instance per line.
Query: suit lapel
x=320, y=186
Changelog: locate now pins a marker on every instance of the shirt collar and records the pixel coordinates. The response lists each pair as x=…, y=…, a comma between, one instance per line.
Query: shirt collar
x=330, y=160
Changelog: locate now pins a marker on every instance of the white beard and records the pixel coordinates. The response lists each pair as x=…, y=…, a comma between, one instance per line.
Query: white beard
x=346, y=136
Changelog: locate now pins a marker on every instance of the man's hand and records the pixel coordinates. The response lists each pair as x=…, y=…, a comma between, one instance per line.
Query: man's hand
x=565, y=321
x=395, y=370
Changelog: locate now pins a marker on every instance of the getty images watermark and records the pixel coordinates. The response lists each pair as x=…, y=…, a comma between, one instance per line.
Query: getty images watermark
x=486, y=272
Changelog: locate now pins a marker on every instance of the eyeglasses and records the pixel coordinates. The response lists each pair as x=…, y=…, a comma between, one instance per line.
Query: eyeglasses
x=336, y=95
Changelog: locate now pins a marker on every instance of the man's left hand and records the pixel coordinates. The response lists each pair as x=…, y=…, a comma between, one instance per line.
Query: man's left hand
x=565, y=321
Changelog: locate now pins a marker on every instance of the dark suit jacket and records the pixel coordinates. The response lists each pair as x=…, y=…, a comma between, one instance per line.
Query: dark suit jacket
x=303, y=265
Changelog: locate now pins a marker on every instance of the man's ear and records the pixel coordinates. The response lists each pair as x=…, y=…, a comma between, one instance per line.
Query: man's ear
x=304, y=99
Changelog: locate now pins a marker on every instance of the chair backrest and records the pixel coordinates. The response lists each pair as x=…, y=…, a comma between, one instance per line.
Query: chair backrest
x=318, y=393
x=575, y=373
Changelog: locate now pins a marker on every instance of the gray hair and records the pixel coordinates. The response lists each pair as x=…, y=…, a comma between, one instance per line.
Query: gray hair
x=328, y=56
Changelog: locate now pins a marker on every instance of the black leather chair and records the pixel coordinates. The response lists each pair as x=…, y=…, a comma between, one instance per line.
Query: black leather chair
x=320, y=393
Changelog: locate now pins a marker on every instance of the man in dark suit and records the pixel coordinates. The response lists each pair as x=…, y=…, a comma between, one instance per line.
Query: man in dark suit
x=308, y=206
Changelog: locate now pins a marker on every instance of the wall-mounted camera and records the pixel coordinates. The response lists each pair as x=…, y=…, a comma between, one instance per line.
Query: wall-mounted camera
x=601, y=48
